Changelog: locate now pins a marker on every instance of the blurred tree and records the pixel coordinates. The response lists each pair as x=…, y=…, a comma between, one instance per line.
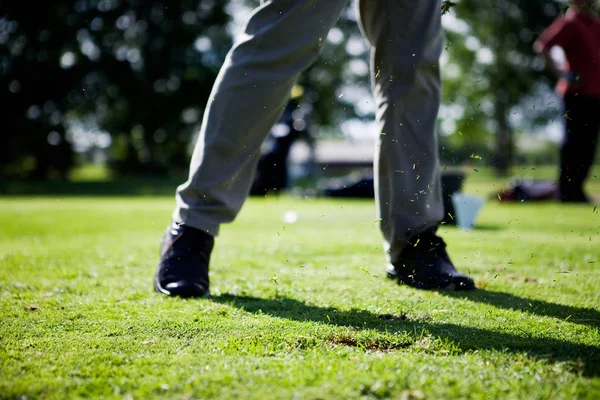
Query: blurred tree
x=34, y=90
x=491, y=72
x=339, y=79
x=141, y=70
x=337, y=85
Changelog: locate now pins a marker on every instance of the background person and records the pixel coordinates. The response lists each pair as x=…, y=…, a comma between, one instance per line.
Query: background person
x=578, y=34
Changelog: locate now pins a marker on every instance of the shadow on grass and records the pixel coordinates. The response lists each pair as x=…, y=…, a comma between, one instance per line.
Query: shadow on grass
x=585, y=357
x=487, y=227
x=583, y=316
x=477, y=227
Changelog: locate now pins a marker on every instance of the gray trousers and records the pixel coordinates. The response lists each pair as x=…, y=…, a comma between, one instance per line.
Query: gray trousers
x=282, y=39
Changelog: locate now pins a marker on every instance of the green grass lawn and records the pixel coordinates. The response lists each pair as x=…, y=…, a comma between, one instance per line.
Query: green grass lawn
x=298, y=310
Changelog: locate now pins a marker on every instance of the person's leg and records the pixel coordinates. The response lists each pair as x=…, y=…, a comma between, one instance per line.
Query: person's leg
x=569, y=191
x=407, y=42
x=282, y=38
x=582, y=120
x=406, y=39
x=594, y=134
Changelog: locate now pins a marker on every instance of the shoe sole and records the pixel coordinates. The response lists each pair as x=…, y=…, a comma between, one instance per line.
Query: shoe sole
x=159, y=289
x=450, y=287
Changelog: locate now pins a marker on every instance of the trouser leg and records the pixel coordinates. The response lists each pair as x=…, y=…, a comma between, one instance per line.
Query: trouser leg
x=282, y=38
x=406, y=39
x=582, y=122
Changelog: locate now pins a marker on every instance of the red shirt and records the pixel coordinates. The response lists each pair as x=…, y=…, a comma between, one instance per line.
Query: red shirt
x=578, y=34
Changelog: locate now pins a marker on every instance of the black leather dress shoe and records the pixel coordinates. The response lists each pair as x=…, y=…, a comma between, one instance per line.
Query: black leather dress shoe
x=184, y=259
x=425, y=264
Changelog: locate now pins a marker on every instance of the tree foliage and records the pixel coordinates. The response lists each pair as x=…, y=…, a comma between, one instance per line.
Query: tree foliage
x=140, y=73
x=491, y=72
x=140, y=70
